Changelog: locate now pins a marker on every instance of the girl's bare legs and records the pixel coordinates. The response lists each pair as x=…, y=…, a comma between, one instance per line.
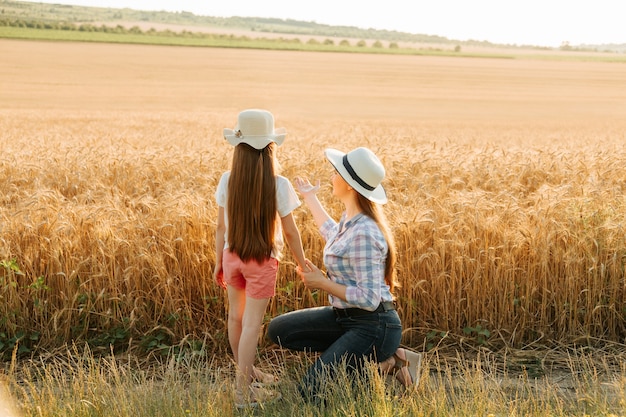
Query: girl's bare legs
x=236, y=306
x=245, y=317
x=251, y=328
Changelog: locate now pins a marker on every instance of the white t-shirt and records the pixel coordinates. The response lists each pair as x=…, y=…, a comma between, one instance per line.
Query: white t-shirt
x=286, y=201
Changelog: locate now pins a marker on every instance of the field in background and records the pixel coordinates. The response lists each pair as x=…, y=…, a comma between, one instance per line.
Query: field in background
x=506, y=180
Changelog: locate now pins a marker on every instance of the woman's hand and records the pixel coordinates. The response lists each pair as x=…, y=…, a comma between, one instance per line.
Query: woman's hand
x=309, y=195
x=305, y=187
x=312, y=278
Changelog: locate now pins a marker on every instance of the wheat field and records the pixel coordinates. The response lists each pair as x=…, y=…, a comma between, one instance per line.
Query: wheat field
x=506, y=182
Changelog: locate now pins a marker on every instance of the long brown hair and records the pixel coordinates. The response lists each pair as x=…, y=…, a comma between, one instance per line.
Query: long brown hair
x=375, y=212
x=251, y=202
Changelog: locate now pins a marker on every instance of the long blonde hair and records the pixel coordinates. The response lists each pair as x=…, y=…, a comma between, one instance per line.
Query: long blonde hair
x=375, y=212
x=251, y=202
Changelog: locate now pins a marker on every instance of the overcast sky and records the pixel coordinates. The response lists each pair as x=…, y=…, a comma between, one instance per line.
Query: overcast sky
x=521, y=22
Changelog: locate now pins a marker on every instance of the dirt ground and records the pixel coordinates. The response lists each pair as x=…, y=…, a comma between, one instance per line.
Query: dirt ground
x=88, y=77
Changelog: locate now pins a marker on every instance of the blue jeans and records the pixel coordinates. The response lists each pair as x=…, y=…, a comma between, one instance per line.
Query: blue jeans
x=350, y=340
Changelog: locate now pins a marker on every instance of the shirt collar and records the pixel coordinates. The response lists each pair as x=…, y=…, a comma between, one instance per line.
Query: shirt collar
x=350, y=222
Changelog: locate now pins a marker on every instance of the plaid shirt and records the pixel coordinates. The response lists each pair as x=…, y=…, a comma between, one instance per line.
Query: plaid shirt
x=355, y=256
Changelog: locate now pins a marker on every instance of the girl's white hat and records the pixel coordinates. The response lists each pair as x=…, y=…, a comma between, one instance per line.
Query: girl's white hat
x=362, y=170
x=256, y=128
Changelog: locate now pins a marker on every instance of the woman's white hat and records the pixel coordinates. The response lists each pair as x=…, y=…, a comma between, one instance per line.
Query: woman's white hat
x=256, y=128
x=362, y=170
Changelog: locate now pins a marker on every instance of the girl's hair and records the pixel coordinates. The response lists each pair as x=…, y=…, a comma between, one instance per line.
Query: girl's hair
x=251, y=202
x=375, y=212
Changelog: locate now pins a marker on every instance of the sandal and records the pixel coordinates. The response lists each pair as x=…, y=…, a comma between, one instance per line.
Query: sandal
x=413, y=363
x=256, y=396
x=263, y=378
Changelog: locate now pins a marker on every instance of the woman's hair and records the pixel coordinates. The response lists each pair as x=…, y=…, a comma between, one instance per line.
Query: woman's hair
x=251, y=202
x=374, y=211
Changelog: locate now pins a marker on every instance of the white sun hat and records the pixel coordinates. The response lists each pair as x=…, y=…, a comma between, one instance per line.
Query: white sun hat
x=362, y=170
x=256, y=128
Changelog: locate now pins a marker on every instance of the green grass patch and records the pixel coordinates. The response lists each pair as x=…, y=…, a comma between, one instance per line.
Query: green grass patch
x=219, y=41
x=168, y=38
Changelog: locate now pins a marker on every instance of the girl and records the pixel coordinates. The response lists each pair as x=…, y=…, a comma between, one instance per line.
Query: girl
x=255, y=208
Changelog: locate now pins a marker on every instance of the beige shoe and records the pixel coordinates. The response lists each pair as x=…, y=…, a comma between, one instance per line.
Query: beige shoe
x=413, y=364
x=256, y=396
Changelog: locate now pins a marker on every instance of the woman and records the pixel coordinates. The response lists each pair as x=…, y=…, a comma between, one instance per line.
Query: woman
x=361, y=322
x=255, y=207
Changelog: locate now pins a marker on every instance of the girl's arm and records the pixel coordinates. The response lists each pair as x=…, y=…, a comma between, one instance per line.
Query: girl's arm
x=220, y=231
x=292, y=236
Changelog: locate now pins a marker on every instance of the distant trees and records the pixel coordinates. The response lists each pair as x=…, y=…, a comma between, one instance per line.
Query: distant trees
x=200, y=38
x=54, y=14
x=83, y=27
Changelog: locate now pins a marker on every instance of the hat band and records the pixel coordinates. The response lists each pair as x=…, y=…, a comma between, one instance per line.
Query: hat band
x=354, y=175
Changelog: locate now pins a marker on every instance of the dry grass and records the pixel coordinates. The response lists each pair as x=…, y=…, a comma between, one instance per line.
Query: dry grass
x=506, y=182
x=77, y=383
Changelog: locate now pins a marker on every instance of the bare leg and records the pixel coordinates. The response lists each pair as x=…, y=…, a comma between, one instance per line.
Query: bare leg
x=236, y=306
x=248, y=341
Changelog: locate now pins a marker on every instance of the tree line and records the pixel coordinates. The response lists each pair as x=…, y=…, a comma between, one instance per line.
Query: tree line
x=136, y=30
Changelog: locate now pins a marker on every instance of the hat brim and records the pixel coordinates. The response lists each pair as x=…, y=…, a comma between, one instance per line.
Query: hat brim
x=257, y=142
x=335, y=157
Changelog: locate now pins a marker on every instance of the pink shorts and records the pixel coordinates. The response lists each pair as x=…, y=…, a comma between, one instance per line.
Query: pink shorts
x=258, y=280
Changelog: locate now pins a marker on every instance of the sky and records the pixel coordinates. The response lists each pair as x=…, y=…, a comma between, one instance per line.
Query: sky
x=521, y=22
